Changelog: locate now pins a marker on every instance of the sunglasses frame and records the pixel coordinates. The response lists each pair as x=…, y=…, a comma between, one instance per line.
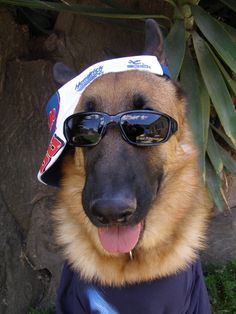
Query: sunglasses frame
x=108, y=119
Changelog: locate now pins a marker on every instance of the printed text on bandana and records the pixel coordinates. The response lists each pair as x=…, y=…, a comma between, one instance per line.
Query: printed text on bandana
x=89, y=78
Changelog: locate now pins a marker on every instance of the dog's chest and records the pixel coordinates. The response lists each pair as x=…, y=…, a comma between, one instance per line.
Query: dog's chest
x=178, y=294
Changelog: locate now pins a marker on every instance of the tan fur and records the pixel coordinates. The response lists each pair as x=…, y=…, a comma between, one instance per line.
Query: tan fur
x=175, y=225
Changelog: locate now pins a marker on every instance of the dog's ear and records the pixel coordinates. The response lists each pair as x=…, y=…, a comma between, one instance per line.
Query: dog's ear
x=63, y=74
x=154, y=42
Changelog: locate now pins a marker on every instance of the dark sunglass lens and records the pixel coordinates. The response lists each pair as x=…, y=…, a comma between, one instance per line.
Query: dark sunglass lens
x=85, y=129
x=145, y=128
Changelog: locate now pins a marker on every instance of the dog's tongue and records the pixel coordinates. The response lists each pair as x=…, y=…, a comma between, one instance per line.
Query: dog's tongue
x=120, y=239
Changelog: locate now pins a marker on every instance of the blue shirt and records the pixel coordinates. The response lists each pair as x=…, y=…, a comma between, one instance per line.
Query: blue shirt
x=183, y=293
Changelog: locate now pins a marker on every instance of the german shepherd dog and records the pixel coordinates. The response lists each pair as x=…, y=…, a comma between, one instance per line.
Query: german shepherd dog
x=131, y=219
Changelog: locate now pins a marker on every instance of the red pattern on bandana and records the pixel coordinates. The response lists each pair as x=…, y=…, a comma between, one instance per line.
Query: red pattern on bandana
x=54, y=146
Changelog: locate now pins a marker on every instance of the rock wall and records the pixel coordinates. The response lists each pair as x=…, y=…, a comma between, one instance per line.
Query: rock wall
x=221, y=244
x=29, y=264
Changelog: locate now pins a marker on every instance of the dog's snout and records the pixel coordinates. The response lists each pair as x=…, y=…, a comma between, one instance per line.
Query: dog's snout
x=113, y=211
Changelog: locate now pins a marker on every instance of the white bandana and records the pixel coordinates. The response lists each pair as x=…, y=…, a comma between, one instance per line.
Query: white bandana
x=63, y=103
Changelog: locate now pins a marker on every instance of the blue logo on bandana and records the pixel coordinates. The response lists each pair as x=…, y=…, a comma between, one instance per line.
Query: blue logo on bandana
x=137, y=64
x=89, y=78
x=52, y=110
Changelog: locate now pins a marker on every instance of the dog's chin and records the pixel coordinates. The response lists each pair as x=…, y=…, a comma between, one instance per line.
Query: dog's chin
x=120, y=239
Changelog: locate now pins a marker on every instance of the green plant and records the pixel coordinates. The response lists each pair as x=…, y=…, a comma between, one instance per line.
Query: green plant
x=201, y=50
x=115, y=11
x=221, y=284
x=50, y=310
x=204, y=61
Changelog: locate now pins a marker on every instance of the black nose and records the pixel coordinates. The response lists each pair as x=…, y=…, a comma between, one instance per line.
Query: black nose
x=113, y=211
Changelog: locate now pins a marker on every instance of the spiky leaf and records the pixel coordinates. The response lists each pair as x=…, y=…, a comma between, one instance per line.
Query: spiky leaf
x=217, y=36
x=175, y=47
x=216, y=87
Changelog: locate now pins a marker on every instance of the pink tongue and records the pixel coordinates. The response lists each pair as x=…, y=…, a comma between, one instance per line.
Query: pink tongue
x=119, y=238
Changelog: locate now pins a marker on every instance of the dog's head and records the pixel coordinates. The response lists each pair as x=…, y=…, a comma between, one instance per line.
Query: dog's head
x=118, y=195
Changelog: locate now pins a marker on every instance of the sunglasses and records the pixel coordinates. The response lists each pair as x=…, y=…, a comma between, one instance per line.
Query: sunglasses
x=138, y=127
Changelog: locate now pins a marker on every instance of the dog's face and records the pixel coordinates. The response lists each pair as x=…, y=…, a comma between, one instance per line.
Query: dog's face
x=116, y=197
x=123, y=180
